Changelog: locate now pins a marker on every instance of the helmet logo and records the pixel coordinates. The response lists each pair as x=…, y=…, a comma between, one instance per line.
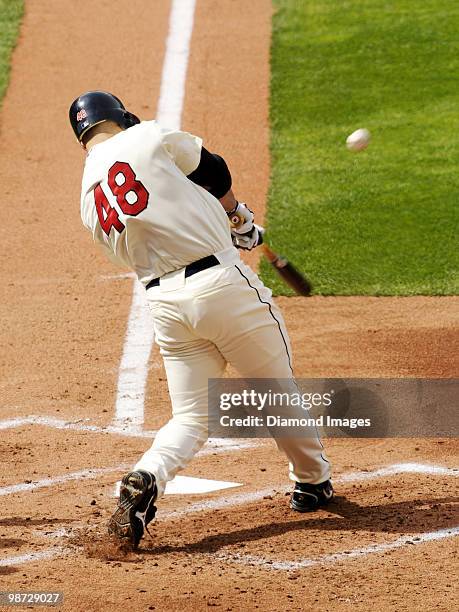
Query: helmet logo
x=81, y=114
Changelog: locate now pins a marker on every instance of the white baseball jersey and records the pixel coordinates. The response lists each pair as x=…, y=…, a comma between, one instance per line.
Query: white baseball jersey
x=141, y=208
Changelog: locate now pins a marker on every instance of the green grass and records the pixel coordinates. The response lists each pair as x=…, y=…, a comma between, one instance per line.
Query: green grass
x=10, y=17
x=383, y=221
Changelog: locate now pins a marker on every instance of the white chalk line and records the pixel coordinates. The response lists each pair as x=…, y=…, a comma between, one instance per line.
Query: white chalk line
x=79, y=425
x=340, y=557
x=223, y=445
x=62, y=532
x=400, y=468
x=214, y=445
x=43, y=555
x=133, y=370
x=122, y=276
x=23, y=487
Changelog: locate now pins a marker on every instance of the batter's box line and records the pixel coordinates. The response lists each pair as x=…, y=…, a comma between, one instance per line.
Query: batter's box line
x=400, y=468
x=78, y=425
x=340, y=557
x=214, y=445
x=42, y=555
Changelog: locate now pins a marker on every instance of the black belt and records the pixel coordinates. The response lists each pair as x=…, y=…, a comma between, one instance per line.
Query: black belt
x=192, y=268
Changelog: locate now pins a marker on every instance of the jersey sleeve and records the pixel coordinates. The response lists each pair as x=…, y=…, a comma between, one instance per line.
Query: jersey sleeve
x=184, y=149
x=107, y=251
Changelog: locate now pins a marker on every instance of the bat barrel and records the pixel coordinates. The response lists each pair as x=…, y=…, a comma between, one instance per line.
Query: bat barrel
x=288, y=272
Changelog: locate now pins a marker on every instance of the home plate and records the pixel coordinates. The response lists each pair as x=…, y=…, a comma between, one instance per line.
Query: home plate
x=189, y=485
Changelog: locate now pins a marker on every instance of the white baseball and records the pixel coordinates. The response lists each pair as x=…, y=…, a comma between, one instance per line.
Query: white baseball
x=358, y=140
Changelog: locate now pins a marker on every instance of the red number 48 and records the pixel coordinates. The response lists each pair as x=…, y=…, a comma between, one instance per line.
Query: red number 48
x=123, y=184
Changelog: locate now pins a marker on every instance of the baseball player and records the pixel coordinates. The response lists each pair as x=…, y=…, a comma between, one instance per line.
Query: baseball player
x=158, y=202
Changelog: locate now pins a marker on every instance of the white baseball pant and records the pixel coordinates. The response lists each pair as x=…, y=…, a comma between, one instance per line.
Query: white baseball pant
x=221, y=315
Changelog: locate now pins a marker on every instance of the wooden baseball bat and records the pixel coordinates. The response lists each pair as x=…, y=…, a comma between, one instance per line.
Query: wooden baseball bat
x=287, y=271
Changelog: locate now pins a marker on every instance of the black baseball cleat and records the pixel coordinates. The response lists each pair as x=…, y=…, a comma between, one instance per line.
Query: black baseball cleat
x=308, y=497
x=138, y=493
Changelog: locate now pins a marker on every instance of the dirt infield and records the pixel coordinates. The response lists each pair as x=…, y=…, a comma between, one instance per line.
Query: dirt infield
x=386, y=543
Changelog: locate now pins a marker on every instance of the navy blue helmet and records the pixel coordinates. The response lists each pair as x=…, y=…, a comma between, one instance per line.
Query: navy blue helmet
x=94, y=107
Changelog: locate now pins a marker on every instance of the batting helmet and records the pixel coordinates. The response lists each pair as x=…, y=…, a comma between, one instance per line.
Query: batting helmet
x=94, y=107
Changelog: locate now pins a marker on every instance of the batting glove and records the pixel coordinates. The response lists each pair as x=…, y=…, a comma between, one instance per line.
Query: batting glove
x=241, y=219
x=249, y=240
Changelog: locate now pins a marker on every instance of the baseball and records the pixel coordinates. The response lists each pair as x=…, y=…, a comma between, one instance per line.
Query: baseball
x=358, y=140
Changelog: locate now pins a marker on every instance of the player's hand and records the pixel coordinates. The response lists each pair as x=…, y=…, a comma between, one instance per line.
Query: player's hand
x=249, y=240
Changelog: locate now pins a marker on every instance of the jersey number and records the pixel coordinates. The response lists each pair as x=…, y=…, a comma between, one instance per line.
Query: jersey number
x=130, y=194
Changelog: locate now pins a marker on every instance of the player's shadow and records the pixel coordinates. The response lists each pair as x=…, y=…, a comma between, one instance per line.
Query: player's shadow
x=407, y=517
